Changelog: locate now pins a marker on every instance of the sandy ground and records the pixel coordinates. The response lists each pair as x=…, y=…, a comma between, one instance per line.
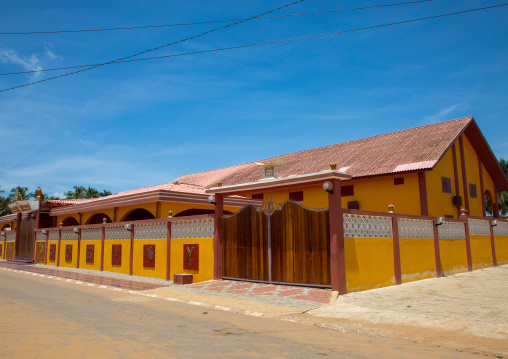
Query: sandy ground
x=467, y=311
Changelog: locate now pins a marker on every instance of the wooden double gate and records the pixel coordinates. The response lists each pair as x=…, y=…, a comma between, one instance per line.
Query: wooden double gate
x=290, y=244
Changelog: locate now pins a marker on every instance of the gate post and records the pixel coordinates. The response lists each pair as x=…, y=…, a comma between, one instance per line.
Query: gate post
x=19, y=218
x=337, y=255
x=217, y=248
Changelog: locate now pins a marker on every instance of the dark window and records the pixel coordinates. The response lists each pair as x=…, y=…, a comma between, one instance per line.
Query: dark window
x=447, y=184
x=398, y=180
x=472, y=191
x=296, y=196
x=257, y=196
x=347, y=190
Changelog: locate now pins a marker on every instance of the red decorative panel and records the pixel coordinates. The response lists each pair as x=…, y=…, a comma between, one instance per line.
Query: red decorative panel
x=346, y=191
x=52, y=252
x=90, y=251
x=39, y=252
x=296, y=196
x=191, y=256
x=149, y=255
x=116, y=255
x=68, y=252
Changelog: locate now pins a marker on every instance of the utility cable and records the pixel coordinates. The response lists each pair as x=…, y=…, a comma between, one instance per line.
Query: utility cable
x=269, y=42
x=210, y=22
x=156, y=48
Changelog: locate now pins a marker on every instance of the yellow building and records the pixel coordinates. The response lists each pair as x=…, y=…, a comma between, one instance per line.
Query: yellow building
x=353, y=216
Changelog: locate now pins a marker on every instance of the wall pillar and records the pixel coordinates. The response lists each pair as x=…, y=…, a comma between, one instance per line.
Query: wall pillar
x=46, y=249
x=58, y=250
x=168, y=253
x=337, y=253
x=468, y=243
x=102, y=247
x=131, y=258
x=464, y=177
x=495, y=205
x=217, y=248
x=456, y=176
x=79, y=246
x=437, y=252
x=19, y=218
x=482, y=186
x=424, y=208
x=5, y=245
x=37, y=221
x=396, y=250
x=492, y=244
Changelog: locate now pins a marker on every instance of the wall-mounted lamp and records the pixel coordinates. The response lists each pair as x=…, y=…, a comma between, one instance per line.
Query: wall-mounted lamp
x=170, y=213
x=211, y=199
x=328, y=187
x=440, y=221
x=493, y=223
x=76, y=230
x=128, y=227
x=32, y=215
x=391, y=207
x=3, y=234
x=61, y=224
x=44, y=232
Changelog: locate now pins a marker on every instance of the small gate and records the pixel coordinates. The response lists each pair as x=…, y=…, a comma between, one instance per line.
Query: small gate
x=285, y=243
x=25, y=245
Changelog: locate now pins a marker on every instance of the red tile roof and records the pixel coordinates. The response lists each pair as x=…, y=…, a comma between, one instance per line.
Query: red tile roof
x=414, y=149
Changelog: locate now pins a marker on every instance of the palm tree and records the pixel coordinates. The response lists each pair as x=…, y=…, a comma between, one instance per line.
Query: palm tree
x=4, y=205
x=105, y=193
x=91, y=193
x=23, y=191
x=502, y=197
x=78, y=193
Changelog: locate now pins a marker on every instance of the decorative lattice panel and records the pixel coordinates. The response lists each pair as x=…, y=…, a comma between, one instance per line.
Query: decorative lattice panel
x=90, y=234
x=40, y=236
x=501, y=229
x=151, y=231
x=478, y=226
x=367, y=226
x=194, y=228
x=415, y=228
x=53, y=235
x=10, y=235
x=69, y=235
x=117, y=232
x=452, y=230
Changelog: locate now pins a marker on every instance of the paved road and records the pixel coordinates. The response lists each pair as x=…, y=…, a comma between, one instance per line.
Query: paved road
x=44, y=318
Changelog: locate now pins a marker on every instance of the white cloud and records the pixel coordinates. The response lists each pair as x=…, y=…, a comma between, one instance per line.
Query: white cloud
x=29, y=63
x=441, y=115
x=49, y=53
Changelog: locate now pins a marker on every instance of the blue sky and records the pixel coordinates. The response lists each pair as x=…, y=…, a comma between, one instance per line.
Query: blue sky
x=138, y=124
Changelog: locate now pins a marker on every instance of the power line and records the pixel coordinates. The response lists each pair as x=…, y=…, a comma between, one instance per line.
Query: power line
x=209, y=22
x=263, y=43
x=153, y=49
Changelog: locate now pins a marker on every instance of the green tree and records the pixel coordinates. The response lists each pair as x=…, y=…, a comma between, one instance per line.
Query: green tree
x=23, y=191
x=502, y=197
x=78, y=193
x=4, y=205
x=105, y=193
x=91, y=192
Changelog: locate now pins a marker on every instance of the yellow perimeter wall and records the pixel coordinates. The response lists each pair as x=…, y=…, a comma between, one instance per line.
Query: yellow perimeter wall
x=453, y=256
x=96, y=265
x=159, y=271
x=481, y=251
x=501, y=243
x=74, y=259
x=124, y=267
x=417, y=259
x=369, y=263
x=206, y=252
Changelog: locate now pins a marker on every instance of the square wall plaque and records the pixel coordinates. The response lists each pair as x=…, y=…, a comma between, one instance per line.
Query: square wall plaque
x=90, y=249
x=149, y=255
x=116, y=255
x=191, y=256
x=39, y=252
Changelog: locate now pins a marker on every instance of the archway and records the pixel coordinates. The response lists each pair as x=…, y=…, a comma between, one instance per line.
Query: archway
x=5, y=226
x=98, y=218
x=138, y=214
x=488, y=202
x=70, y=221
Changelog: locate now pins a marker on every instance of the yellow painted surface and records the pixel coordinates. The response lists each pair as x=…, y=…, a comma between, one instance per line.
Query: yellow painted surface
x=50, y=262
x=96, y=265
x=159, y=271
x=178, y=207
x=440, y=203
x=417, y=259
x=74, y=261
x=473, y=177
x=178, y=256
x=481, y=251
x=108, y=256
x=488, y=184
x=501, y=243
x=369, y=263
x=453, y=256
